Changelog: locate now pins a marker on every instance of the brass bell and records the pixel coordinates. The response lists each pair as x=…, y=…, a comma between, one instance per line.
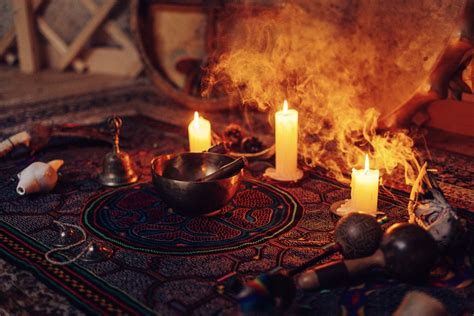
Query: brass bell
x=117, y=167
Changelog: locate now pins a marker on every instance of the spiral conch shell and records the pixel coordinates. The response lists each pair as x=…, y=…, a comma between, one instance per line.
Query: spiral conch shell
x=38, y=177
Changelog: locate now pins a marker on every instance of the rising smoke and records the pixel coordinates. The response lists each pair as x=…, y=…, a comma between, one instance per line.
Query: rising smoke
x=339, y=69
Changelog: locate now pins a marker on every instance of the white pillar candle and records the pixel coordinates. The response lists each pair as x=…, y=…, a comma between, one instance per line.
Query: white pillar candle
x=199, y=131
x=286, y=143
x=365, y=189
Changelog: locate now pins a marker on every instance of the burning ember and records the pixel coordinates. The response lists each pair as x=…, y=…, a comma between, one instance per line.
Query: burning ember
x=341, y=70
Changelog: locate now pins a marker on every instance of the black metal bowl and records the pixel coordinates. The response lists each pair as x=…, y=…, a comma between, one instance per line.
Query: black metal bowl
x=174, y=177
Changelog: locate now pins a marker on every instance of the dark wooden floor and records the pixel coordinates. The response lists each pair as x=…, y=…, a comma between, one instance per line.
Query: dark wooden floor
x=17, y=87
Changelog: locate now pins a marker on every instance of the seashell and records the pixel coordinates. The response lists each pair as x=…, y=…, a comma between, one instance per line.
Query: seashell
x=38, y=177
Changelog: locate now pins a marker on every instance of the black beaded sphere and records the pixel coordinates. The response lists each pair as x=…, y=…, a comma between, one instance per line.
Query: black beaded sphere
x=358, y=234
x=410, y=251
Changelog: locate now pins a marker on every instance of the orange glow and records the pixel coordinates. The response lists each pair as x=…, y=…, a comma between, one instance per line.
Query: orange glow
x=285, y=106
x=339, y=81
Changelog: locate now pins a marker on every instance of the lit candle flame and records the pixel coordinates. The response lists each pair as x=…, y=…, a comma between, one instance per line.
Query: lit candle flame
x=285, y=106
x=366, y=168
x=196, y=119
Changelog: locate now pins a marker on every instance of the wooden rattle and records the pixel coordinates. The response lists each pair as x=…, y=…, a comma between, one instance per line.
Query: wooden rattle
x=407, y=251
x=356, y=235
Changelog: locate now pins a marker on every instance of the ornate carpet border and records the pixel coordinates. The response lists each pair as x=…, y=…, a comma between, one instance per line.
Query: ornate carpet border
x=82, y=288
x=295, y=210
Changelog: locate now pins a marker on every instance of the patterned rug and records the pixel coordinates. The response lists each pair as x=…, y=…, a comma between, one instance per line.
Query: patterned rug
x=136, y=218
x=165, y=263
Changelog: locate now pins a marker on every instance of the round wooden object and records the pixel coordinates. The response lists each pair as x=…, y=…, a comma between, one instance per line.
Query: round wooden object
x=410, y=251
x=358, y=234
x=143, y=36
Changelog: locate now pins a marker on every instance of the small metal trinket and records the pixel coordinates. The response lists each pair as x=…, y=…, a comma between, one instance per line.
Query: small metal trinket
x=97, y=251
x=67, y=236
x=117, y=167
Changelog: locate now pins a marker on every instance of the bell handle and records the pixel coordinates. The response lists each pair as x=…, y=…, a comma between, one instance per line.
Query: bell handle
x=115, y=125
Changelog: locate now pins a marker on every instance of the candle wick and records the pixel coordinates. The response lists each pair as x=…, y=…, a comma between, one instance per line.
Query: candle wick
x=196, y=120
x=285, y=107
x=366, y=167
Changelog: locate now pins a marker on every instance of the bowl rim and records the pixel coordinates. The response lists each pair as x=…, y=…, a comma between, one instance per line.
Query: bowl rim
x=174, y=155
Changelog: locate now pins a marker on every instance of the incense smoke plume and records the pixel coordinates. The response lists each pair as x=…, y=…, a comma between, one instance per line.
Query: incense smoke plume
x=333, y=71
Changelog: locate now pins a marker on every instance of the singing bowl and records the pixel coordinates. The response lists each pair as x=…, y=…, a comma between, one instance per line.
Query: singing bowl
x=174, y=177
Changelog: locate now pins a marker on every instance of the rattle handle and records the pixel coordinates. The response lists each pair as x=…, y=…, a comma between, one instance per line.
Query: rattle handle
x=339, y=272
x=328, y=250
x=115, y=125
x=7, y=145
